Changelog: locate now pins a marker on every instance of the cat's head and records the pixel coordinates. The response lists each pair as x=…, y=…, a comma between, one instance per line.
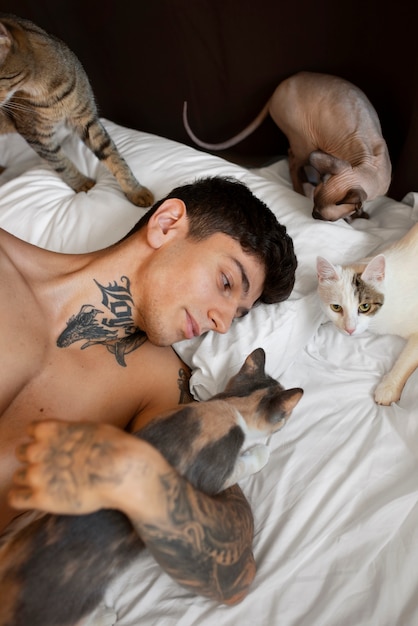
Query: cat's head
x=351, y=295
x=338, y=193
x=11, y=66
x=262, y=401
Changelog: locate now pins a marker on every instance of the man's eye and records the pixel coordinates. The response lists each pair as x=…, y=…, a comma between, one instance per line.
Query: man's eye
x=336, y=307
x=225, y=282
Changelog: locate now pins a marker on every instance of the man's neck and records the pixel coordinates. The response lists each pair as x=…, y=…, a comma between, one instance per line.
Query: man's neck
x=93, y=288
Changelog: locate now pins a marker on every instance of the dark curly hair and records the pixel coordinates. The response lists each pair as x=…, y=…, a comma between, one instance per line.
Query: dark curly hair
x=225, y=205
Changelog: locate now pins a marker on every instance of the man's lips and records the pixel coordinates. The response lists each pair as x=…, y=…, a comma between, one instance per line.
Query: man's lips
x=192, y=327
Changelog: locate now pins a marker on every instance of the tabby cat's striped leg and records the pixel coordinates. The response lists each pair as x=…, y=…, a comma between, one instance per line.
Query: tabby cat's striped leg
x=99, y=141
x=51, y=151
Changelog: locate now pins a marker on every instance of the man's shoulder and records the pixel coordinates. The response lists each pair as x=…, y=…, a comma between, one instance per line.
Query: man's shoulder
x=165, y=381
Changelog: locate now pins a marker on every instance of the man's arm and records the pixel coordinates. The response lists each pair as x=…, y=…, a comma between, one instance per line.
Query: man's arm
x=203, y=542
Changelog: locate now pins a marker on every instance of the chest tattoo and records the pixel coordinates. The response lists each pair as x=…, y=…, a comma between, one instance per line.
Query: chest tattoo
x=111, y=326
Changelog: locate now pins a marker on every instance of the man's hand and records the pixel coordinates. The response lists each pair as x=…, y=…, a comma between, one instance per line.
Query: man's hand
x=70, y=468
x=203, y=542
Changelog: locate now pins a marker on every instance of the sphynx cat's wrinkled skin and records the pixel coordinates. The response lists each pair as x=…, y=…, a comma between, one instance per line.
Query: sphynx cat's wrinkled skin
x=337, y=154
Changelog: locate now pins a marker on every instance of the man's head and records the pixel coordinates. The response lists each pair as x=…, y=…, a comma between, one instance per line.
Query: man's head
x=221, y=205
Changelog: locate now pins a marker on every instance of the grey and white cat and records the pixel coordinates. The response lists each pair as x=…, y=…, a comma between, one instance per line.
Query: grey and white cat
x=380, y=295
x=55, y=570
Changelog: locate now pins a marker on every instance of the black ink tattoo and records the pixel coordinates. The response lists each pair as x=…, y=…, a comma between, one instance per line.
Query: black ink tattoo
x=84, y=326
x=183, y=385
x=206, y=545
x=77, y=459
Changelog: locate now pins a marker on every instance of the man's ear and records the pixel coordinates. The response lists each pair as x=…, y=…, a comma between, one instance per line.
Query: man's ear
x=168, y=221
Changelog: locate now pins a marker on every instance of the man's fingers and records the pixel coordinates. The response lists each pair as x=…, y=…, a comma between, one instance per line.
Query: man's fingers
x=30, y=452
x=44, y=429
x=39, y=433
x=20, y=476
x=21, y=498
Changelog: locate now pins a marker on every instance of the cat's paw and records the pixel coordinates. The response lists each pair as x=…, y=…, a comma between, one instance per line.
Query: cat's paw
x=140, y=196
x=249, y=462
x=257, y=457
x=387, y=392
x=83, y=184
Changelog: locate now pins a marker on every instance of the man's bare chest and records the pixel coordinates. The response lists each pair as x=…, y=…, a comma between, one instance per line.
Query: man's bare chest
x=75, y=385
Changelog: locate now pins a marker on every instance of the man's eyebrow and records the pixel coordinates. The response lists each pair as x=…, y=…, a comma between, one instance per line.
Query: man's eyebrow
x=244, y=277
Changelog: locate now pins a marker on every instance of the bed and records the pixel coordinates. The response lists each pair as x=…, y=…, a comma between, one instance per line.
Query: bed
x=336, y=508
x=336, y=514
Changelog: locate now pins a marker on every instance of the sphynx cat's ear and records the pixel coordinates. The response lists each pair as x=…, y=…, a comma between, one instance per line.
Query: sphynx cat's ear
x=168, y=221
x=325, y=163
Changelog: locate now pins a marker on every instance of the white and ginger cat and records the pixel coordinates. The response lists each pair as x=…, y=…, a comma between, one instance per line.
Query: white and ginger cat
x=43, y=86
x=378, y=294
x=55, y=570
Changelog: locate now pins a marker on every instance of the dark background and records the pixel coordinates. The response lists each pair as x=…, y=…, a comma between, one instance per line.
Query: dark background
x=225, y=57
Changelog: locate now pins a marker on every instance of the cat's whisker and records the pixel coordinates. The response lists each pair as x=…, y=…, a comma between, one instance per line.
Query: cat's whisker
x=12, y=106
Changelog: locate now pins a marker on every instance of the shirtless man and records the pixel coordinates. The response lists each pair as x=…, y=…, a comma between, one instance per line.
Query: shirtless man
x=86, y=354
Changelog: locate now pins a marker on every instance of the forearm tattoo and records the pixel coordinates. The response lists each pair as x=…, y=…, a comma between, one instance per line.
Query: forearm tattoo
x=203, y=542
x=112, y=327
x=206, y=543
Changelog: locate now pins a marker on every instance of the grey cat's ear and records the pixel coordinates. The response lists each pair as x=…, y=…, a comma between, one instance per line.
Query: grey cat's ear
x=290, y=398
x=375, y=269
x=255, y=362
x=281, y=405
x=325, y=269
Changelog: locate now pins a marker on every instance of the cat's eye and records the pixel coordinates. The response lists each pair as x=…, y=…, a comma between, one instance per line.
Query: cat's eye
x=337, y=308
x=364, y=307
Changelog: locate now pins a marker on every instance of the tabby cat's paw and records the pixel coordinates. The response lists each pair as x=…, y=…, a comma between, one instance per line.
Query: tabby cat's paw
x=387, y=392
x=85, y=185
x=141, y=196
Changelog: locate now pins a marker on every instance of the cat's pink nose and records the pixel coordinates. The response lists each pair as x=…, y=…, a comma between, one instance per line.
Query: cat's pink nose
x=350, y=330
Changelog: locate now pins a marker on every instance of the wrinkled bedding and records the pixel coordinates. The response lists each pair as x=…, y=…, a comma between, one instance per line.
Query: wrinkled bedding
x=336, y=508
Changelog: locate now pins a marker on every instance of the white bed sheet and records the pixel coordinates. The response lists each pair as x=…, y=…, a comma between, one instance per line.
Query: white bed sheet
x=335, y=510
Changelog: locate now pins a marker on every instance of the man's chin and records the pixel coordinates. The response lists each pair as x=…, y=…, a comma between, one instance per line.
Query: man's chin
x=163, y=342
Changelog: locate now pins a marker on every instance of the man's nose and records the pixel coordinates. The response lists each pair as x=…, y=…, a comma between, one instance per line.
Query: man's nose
x=221, y=318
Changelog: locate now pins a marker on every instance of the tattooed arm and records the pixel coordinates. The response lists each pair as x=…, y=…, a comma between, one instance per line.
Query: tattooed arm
x=203, y=542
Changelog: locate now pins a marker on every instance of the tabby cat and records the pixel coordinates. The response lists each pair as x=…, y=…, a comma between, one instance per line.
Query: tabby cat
x=55, y=570
x=379, y=295
x=42, y=87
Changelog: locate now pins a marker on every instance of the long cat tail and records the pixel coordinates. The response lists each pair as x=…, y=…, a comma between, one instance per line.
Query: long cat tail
x=233, y=140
